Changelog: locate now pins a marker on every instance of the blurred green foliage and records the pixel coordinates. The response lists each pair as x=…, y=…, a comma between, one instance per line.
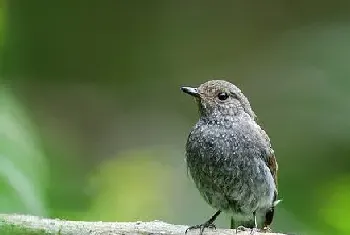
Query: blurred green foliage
x=93, y=124
x=23, y=168
x=337, y=205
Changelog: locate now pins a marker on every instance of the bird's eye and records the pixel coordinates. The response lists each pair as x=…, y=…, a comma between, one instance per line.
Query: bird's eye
x=222, y=96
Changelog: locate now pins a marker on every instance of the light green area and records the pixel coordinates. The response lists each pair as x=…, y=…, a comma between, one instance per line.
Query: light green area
x=336, y=204
x=135, y=183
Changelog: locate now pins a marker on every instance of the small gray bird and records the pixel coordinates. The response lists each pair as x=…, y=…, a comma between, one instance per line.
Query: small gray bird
x=230, y=158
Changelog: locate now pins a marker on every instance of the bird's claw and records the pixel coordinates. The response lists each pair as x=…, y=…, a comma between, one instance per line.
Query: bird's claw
x=244, y=229
x=254, y=230
x=241, y=229
x=201, y=227
x=266, y=229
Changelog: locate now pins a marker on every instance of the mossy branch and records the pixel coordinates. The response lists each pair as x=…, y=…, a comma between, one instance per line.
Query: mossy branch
x=33, y=225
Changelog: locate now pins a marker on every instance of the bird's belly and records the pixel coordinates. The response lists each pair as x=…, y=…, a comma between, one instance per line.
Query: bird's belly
x=241, y=187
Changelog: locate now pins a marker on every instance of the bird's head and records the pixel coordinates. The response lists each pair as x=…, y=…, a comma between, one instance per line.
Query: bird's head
x=219, y=98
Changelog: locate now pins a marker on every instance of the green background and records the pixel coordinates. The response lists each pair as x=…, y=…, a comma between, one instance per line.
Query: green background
x=93, y=124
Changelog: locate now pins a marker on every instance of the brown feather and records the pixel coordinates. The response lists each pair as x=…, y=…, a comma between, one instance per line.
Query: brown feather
x=272, y=164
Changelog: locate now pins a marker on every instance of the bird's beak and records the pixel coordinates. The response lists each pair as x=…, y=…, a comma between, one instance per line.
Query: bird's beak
x=191, y=91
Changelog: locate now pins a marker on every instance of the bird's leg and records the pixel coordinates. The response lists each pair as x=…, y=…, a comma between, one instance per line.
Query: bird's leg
x=207, y=224
x=255, y=229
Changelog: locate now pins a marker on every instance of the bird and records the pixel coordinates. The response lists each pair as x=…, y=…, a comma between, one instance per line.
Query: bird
x=230, y=158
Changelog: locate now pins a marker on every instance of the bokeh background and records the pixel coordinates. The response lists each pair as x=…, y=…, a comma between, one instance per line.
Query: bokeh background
x=93, y=124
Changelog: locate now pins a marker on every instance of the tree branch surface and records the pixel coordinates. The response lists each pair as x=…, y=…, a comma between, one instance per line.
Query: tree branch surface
x=34, y=225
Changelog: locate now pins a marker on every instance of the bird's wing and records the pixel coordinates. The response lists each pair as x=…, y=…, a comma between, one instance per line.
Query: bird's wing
x=272, y=164
x=271, y=159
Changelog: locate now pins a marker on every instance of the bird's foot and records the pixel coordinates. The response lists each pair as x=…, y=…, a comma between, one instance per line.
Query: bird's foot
x=207, y=224
x=241, y=229
x=244, y=229
x=266, y=229
x=254, y=230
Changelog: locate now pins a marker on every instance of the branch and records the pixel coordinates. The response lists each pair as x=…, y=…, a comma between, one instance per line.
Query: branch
x=33, y=225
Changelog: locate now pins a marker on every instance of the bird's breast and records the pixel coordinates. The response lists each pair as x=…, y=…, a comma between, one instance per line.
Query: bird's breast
x=228, y=163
